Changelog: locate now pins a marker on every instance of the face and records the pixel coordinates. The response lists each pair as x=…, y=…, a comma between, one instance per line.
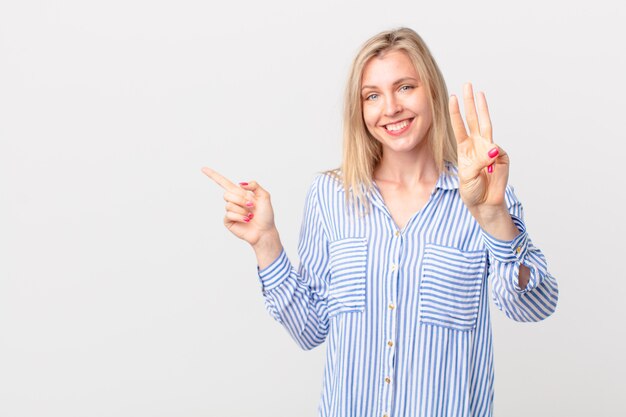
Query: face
x=396, y=105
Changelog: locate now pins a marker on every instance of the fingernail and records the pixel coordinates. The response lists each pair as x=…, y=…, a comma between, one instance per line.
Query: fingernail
x=246, y=219
x=250, y=216
x=249, y=204
x=490, y=168
x=243, y=183
x=493, y=153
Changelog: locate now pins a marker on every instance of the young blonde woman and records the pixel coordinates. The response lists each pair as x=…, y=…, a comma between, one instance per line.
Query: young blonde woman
x=398, y=245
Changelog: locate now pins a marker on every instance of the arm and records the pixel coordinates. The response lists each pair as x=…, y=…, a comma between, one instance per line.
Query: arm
x=530, y=298
x=523, y=289
x=295, y=298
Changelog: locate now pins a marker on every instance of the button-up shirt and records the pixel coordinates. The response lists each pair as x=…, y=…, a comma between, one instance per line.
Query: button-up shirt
x=404, y=313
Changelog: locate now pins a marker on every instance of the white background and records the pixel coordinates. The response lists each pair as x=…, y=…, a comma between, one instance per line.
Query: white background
x=121, y=294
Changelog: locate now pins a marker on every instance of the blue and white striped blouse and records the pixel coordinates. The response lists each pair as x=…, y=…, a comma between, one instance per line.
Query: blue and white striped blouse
x=404, y=312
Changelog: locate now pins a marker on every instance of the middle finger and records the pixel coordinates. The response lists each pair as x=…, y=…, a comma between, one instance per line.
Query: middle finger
x=470, y=110
x=240, y=199
x=485, y=120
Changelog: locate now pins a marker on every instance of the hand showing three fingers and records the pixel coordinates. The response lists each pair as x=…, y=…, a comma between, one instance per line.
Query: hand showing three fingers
x=249, y=213
x=483, y=166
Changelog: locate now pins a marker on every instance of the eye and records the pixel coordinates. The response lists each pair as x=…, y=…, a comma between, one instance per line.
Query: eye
x=372, y=97
x=406, y=88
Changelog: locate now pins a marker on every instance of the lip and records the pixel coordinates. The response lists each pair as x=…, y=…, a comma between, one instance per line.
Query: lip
x=401, y=131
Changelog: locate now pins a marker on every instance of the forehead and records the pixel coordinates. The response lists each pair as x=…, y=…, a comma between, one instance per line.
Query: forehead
x=387, y=68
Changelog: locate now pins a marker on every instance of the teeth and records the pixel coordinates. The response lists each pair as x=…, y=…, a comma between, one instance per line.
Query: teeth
x=397, y=126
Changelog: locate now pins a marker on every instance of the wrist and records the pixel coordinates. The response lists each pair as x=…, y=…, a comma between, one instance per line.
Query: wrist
x=267, y=248
x=496, y=221
x=266, y=240
x=487, y=214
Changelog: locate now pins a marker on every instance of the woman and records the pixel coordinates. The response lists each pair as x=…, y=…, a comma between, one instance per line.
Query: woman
x=397, y=246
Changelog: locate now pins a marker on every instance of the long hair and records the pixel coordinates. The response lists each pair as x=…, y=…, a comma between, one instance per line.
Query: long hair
x=361, y=151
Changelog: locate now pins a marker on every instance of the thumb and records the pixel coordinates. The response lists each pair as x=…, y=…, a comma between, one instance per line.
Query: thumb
x=487, y=159
x=255, y=188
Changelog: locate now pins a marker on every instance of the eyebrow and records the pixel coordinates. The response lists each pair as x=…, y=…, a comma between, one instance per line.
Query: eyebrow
x=400, y=81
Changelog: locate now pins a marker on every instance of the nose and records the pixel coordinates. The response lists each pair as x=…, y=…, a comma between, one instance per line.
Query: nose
x=392, y=106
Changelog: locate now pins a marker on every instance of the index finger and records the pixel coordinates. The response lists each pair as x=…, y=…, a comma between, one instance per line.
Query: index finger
x=457, y=121
x=220, y=180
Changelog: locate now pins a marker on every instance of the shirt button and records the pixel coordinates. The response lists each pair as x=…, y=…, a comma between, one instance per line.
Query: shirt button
x=397, y=233
x=385, y=415
x=390, y=343
x=392, y=306
x=394, y=267
x=388, y=380
x=518, y=249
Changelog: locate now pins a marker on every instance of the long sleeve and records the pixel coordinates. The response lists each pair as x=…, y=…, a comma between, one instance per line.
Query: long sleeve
x=539, y=299
x=296, y=298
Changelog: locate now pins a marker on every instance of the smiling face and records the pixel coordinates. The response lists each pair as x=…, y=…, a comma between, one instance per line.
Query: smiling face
x=396, y=105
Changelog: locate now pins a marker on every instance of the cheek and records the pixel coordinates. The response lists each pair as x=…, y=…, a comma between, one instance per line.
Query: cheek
x=369, y=116
x=423, y=108
x=426, y=105
x=428, y=114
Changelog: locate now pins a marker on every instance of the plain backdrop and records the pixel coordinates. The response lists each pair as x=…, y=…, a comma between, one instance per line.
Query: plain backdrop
x=122, y=294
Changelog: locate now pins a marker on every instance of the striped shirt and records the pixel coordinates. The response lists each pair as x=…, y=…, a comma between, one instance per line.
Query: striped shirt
x=404, y=313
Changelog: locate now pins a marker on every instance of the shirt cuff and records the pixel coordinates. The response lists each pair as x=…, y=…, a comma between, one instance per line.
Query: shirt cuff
x=272, y=275
x=508, y=250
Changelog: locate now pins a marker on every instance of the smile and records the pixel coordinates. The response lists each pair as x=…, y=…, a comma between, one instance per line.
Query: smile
x=398, y=127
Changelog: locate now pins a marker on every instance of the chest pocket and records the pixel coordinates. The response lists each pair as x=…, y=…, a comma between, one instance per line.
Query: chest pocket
x=450, y=287
x=348, y=263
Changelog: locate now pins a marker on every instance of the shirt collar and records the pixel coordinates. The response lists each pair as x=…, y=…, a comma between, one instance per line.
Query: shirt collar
x=448, y=180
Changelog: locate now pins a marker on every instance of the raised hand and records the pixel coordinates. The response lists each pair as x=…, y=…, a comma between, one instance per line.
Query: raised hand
x=249, y=213
x=483, y=166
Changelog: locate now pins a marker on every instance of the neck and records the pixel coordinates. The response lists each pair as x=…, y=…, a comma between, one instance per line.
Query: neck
x=407, y=168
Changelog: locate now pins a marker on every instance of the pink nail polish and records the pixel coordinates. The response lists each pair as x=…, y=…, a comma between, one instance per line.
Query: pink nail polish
x=246, y=219
x=243, y=183
x=250, y=216
x=490, y=168
x=493, y=153
x=249, y=204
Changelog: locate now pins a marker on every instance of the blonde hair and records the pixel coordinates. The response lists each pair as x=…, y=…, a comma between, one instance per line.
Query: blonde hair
x=361, y=152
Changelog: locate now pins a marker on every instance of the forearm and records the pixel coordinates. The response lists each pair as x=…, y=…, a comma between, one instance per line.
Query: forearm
x=293, y=298
x=296, y=298
x=523, y=277
x=498, y=223
x=522, y=286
